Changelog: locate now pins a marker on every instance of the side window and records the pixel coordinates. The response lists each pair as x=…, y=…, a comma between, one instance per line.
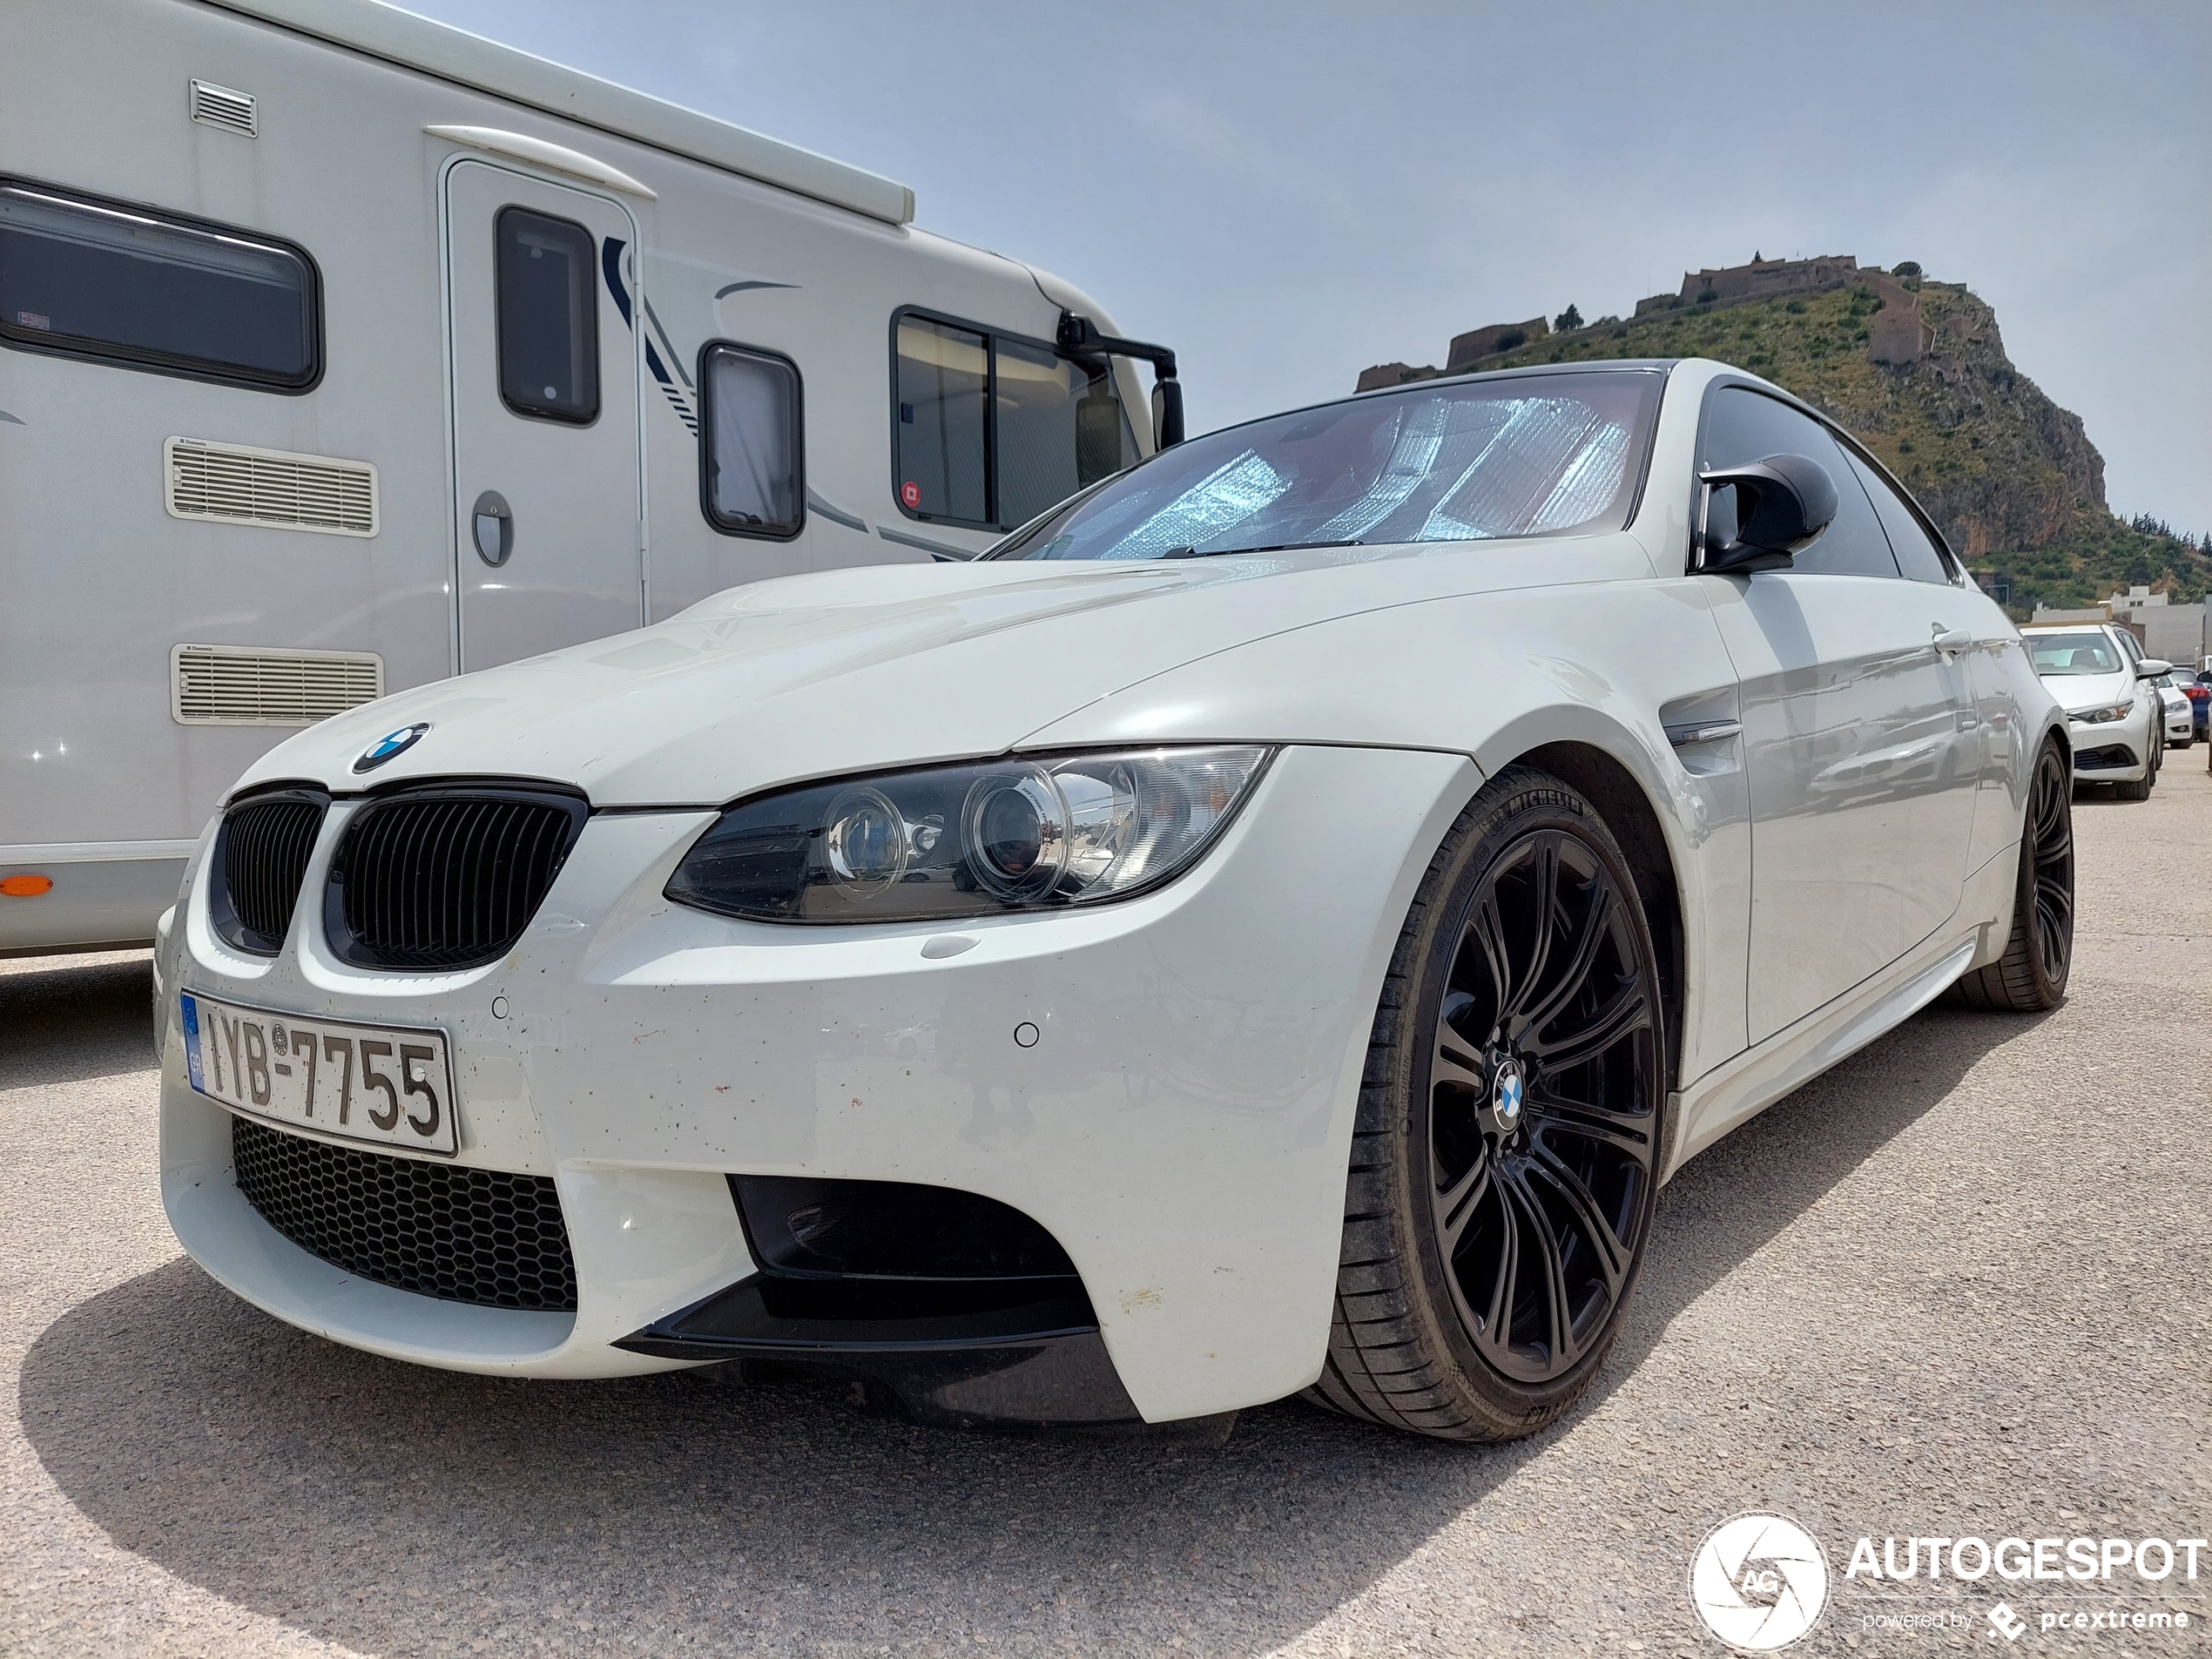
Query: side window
x=1917, y=554
x=752, y=442
x=1059, y=428
x=943, y=392
x=549, y=317
x=82, y=277
x=994, y=429
x=1742, y=426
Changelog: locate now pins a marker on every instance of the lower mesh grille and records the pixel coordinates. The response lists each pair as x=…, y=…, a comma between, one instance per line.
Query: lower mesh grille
x=461, y=1235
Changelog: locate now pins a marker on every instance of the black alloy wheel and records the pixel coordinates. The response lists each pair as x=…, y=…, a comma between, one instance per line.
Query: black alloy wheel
x=2030, y=975
x=1512, y=1133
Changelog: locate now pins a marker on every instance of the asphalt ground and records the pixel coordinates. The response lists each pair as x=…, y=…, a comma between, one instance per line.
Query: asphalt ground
x=1956, y=1287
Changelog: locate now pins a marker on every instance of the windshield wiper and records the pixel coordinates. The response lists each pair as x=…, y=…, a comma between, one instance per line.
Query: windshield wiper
x=1188, y=552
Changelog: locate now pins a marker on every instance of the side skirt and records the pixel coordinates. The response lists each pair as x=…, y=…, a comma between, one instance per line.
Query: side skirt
x=1738, y=1090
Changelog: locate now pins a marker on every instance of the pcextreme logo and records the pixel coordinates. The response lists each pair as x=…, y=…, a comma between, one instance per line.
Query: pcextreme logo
x=1759, y=1582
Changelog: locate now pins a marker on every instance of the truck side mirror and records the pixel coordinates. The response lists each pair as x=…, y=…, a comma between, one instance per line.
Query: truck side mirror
x=1167, y=413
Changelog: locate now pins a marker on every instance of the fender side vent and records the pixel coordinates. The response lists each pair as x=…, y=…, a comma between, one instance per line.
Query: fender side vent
x=230, y=483
x=222, y=106
x=253, y=685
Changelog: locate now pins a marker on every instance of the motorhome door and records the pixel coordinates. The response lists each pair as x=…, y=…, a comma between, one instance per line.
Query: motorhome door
x=546, y=502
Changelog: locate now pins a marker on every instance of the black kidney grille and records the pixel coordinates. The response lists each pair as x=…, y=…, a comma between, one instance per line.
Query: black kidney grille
x=461, y=1235
x=448, y=881
x=266, y=846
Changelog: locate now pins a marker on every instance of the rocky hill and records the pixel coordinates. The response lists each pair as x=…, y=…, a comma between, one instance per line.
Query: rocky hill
x=1917, y=369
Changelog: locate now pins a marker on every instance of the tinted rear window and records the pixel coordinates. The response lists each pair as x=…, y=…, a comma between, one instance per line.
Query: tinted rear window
x=1447, y=462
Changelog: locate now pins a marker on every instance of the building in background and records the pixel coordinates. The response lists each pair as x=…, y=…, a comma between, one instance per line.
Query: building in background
x=2166, y=630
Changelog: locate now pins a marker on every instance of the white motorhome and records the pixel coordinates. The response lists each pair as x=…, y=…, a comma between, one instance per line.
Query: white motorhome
x=345, y=350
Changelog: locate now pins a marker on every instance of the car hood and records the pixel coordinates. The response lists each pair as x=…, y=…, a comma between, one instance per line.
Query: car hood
x=2078, y=691
x=883, y=666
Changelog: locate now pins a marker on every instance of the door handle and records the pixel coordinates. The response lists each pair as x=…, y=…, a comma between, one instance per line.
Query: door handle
x=491, y=525
x=1951, y=641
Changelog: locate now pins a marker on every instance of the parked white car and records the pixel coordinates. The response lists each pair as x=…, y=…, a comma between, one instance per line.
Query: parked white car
x=2181, y=717
x=2115, y=717
x=1274, y=925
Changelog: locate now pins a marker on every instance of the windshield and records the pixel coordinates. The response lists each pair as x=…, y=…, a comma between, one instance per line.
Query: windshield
x=1448, y=462
x=2073, y=654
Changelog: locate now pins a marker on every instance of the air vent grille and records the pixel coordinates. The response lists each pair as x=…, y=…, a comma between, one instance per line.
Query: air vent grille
x=230, y=483
x=221, y=106
x=252, y=685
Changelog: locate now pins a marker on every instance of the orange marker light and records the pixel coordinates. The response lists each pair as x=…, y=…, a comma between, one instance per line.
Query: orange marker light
x=25, y=886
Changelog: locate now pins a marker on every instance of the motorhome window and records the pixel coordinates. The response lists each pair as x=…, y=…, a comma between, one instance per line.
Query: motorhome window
x=1457, y=462
x=549, y=317
x=750, y=444
x=128, y=287
x=943, y=420
x=993, y=429
x=1060, y=426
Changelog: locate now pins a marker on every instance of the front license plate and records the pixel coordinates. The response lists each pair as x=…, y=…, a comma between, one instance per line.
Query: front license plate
x=388, y=1085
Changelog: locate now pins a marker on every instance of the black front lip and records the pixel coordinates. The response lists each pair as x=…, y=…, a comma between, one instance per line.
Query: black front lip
x=1025, y=1364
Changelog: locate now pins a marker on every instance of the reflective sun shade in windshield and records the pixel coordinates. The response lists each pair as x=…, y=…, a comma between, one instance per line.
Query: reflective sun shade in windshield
x=1449, y=462
x=2086, y=653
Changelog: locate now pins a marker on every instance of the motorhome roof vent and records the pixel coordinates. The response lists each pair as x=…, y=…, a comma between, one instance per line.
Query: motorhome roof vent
x=219, y=106
x=267, y=685
x=231, y=484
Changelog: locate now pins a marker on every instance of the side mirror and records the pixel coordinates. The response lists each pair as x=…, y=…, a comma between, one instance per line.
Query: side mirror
x=1777, y=507
x=2150, y=669
x=1167, y=413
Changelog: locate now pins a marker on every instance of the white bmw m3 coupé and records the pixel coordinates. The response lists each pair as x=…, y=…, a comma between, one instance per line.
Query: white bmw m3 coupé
x=1274, y=924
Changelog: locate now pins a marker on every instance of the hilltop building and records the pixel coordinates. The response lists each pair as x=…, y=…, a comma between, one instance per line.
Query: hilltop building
x=1760, y=280
x=1898, y=333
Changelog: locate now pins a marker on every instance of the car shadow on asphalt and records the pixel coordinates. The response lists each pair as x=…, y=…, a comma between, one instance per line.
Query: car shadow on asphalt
x=74, y=1023
x=393, y=1508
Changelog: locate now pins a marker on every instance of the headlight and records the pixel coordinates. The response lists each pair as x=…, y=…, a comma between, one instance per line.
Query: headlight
x=970, y=840
x=2099, y=716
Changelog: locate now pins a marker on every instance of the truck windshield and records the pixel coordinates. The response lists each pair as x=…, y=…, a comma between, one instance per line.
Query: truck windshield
x=1557, y=454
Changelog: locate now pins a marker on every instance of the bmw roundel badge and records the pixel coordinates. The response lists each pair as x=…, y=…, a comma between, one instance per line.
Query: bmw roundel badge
x=390, y=744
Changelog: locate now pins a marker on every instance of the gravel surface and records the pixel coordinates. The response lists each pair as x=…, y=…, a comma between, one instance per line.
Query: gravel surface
x=1956, y=1287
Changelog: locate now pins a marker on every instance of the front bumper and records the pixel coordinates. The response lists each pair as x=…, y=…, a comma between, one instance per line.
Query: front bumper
x=1181, y=1123
x=2110, y=752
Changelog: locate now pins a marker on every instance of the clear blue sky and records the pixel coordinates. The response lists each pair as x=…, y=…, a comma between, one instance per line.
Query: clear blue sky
x=1289, y=192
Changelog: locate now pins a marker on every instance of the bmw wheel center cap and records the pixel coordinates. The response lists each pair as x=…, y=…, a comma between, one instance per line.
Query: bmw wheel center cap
x=1506, y=1089
x=392, y=743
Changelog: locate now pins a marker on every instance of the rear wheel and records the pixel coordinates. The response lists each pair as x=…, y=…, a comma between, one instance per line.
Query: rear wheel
x=1511, y=1125
x=2030, y=975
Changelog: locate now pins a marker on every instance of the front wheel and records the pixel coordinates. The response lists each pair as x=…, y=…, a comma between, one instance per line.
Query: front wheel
x=2030, y=975
x=1511, y=1127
